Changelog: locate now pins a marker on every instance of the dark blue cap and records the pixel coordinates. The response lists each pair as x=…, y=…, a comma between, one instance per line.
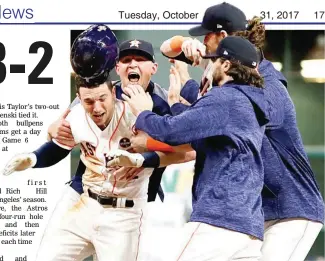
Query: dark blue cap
x=236, y=48
x=221, y=17
x=137, y=47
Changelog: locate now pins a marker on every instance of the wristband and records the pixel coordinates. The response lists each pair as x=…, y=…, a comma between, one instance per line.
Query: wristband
x=151, y=160
x=154, y=145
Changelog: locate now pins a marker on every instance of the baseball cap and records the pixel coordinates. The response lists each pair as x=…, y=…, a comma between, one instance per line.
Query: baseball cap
x=220, y=17
x=138, y=47
x=236, y=48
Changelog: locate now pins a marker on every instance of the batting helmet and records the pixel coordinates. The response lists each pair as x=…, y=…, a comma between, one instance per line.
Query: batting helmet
x=94, y=52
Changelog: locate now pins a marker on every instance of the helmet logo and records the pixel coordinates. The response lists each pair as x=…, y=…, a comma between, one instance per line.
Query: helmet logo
x=101, y=28
x=134, y=43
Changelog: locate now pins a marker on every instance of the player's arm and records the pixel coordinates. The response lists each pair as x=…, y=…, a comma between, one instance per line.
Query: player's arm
x=166, y=159
x=190, y=88
x=172, y=48
x=50, y=154
x=184, y=49
x=203, y=119
x=142, y=142
x=60, y=129
x=148, y=159
x=45, y=156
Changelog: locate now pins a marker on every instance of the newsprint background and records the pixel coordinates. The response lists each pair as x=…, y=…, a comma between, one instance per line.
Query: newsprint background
x=295, y=44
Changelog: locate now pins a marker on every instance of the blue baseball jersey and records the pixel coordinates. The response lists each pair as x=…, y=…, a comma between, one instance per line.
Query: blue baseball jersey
x=225, y=127
x=290, y=189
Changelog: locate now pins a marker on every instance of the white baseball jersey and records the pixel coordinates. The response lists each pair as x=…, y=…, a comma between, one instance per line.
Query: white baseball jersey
x=95, y=145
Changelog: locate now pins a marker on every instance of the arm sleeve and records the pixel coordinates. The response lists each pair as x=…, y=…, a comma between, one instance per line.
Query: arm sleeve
x=178, y=108
x=181, y=57
x=205, y=118
x=49, y=154
x=190, y=91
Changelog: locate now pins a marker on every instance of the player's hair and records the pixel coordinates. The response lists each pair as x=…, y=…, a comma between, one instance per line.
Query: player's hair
x=81, y=82
x=255, y=32
x=243, y=74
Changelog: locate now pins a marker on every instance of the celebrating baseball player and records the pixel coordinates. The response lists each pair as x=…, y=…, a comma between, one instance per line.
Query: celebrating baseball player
x=292, y=202
x=225, y=128
x=136, y=64
x=113, y=200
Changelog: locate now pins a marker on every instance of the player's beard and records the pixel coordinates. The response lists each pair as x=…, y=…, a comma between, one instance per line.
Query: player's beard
x=216, y=77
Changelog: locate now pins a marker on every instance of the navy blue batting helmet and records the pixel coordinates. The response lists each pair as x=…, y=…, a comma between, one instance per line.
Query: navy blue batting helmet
x=94, y=52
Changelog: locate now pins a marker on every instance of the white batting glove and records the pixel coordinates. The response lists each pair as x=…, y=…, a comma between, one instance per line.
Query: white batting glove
x=20, y=162
x=124, y=158
x=193, y=49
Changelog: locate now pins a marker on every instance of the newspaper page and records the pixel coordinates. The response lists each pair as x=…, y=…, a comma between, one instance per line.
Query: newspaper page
x=38, y=83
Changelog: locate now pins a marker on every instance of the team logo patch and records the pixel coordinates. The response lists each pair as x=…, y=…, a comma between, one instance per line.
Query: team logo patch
x=125, y=143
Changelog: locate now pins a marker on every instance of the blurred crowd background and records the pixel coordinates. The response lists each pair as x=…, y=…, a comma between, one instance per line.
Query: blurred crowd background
x=300, y=57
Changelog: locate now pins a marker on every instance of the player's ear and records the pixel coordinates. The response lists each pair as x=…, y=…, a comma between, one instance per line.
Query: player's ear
x=223, y=33
x=117, y=68
x=154, y=68
x=114, y=91
x=226, y=65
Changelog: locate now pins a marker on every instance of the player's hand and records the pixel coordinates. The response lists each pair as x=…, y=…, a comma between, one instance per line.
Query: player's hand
x=193, y=49
x=61, y=131
x=138, y=99
x=184, y=101
x=139, y=142
x=182, y=69
x=127, y=173
x=124, y=158
x=20, y=162
x=174, y=91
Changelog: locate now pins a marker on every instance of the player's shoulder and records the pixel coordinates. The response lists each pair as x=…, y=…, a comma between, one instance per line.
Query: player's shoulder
x=76, y=112
x=159, y=91
x=77, y=108
x=128, y=116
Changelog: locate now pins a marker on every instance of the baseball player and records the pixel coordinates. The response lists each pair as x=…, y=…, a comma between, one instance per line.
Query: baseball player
x=292, y=202
x=109, y=215
x=225, y=128
x=131, y=71
x=97, y=34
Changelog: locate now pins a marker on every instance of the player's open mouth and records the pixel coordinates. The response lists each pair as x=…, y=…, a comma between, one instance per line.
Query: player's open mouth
x=99, y=116
x=133, y=77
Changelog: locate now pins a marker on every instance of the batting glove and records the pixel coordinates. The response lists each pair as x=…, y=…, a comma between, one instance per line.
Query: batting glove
x=124, y=158
x=20, y=162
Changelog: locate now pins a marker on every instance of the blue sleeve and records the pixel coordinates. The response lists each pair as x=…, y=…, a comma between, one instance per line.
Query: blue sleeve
x=277, y=98
x=190, y=91
x=178, y=108
x=205, y=118
x=49, y=154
